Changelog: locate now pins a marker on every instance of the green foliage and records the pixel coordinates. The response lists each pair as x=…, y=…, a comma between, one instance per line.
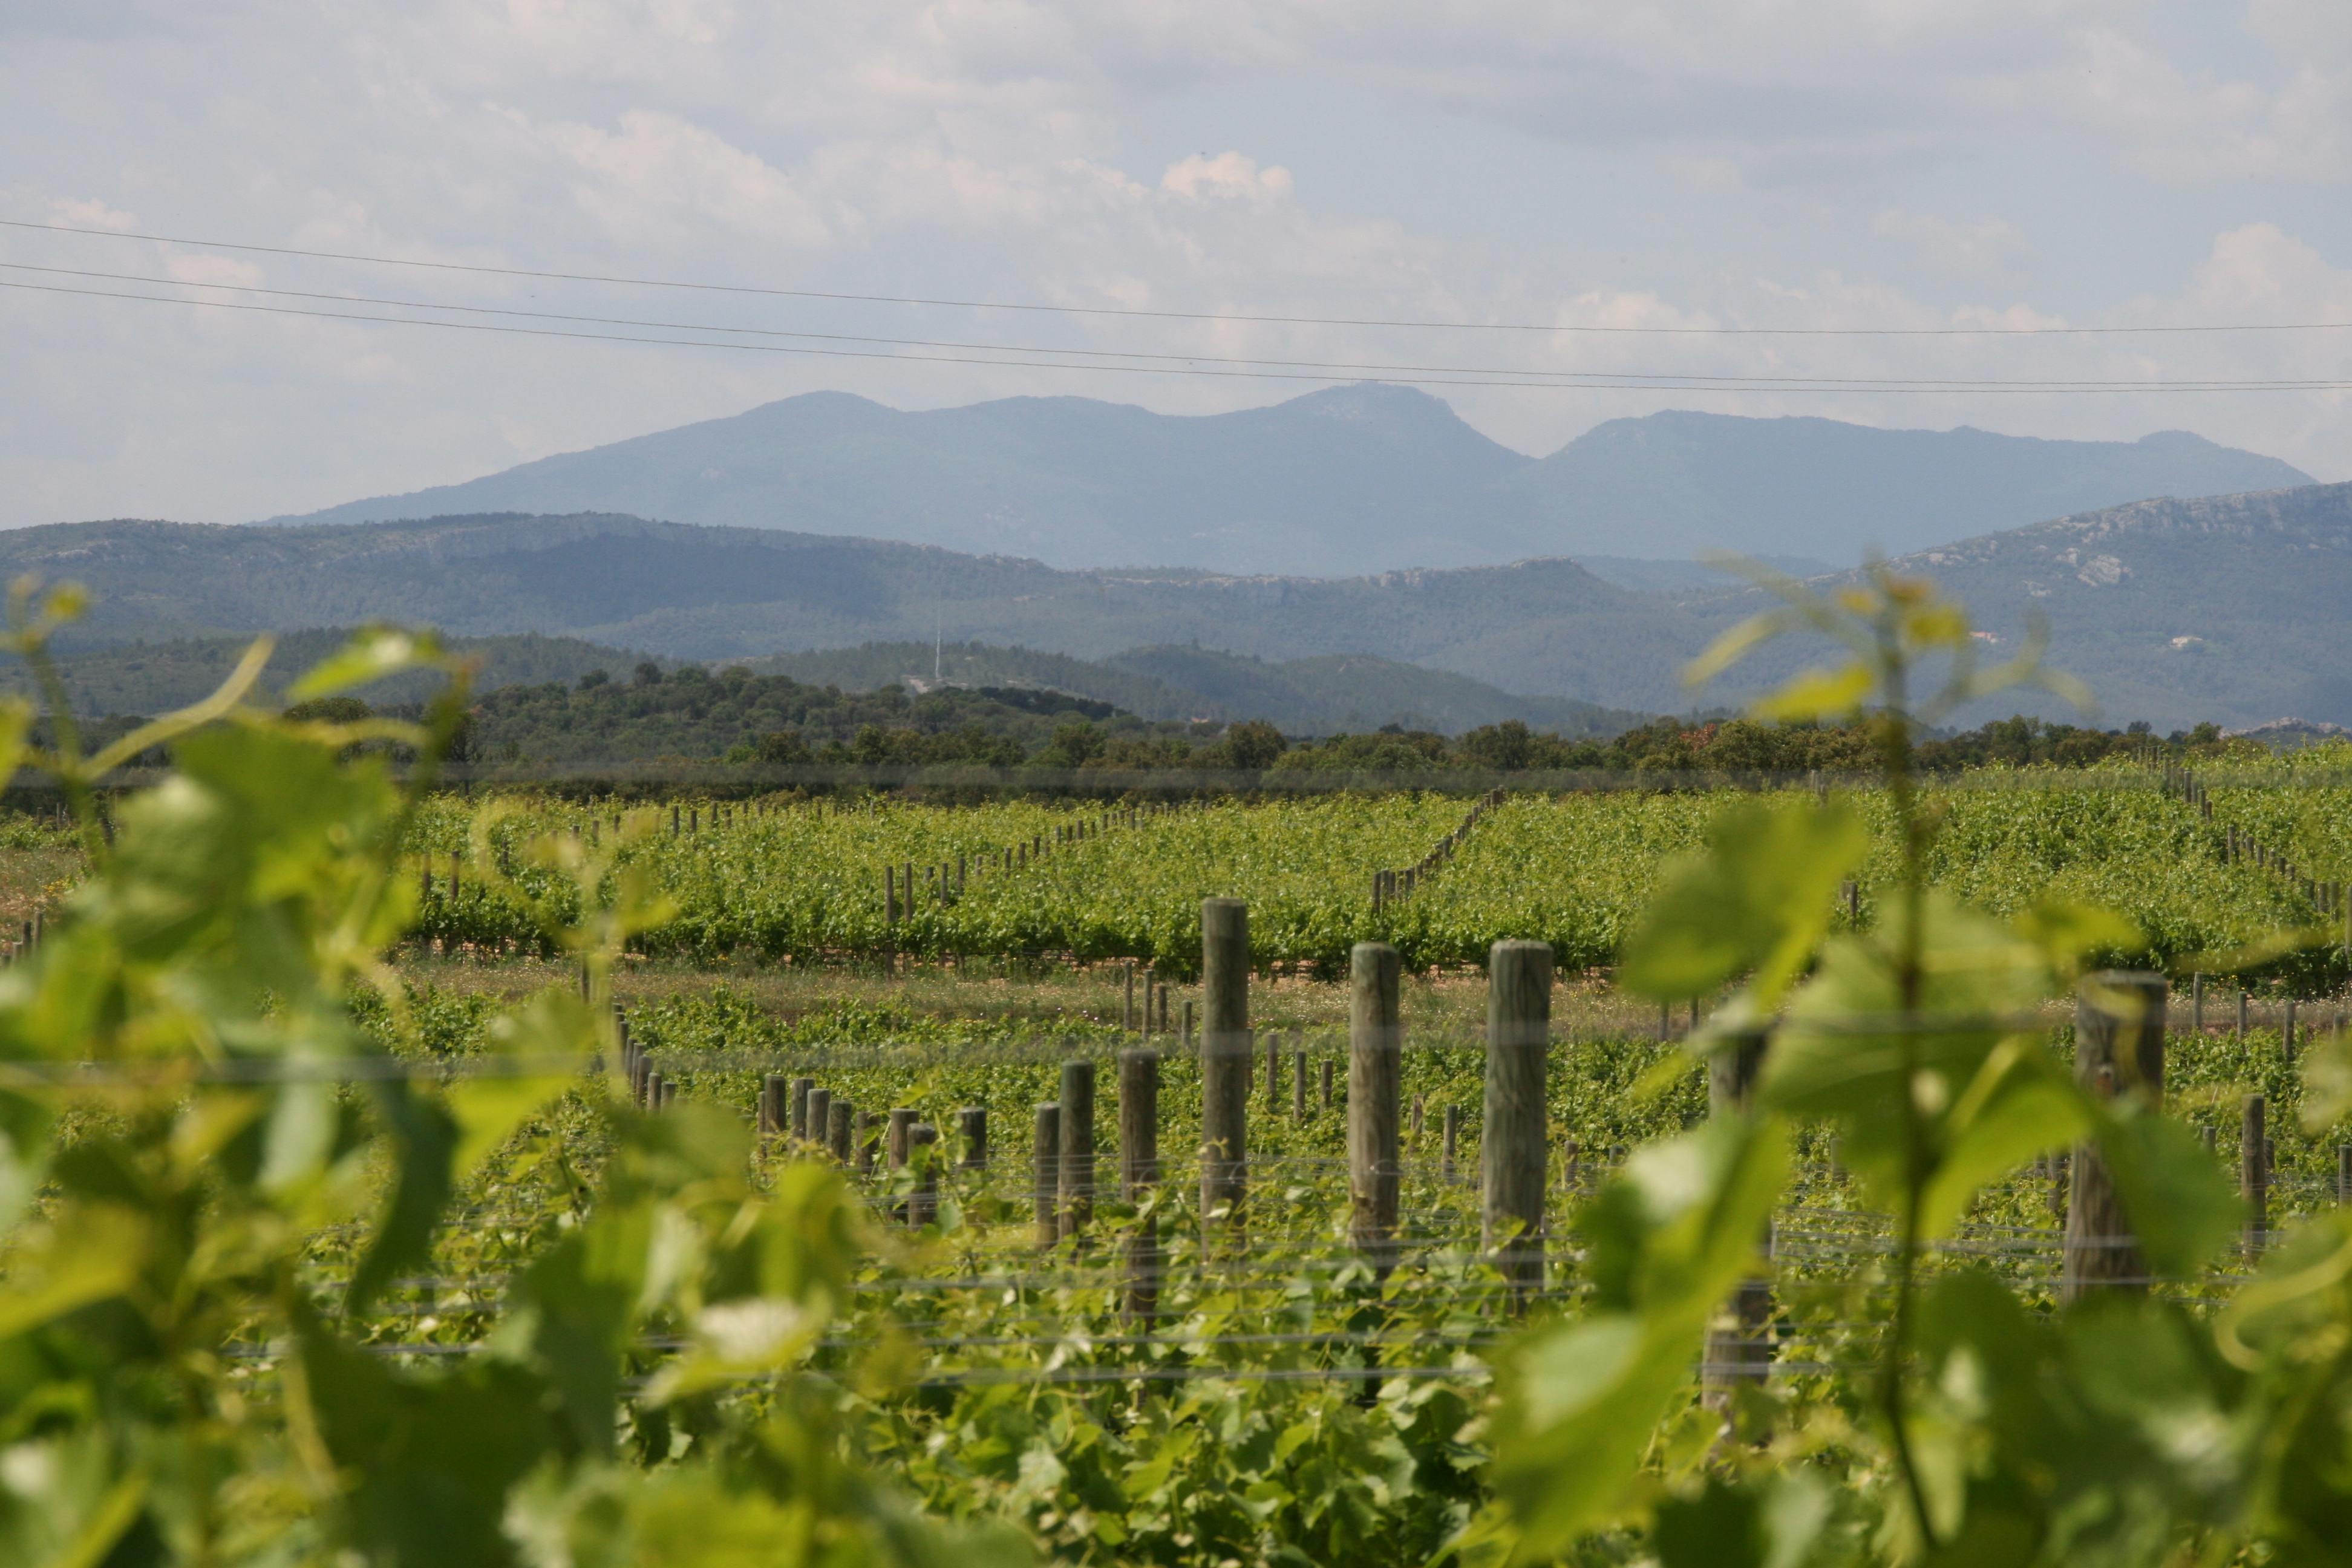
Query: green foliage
x=178, y=1381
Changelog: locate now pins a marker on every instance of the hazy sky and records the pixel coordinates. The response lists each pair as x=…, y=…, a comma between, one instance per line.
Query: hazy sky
x=1807, y=164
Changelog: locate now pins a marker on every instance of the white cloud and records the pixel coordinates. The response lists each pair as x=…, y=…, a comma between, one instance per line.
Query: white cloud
x=1226, y=175
x=1976, y=245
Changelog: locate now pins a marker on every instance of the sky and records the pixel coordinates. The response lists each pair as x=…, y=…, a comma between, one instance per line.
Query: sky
x=1854, y=176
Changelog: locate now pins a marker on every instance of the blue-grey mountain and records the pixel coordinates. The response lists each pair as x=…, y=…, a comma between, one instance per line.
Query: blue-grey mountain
x=1336, y=483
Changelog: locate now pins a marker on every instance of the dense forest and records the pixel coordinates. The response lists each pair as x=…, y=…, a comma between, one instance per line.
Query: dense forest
x=733, y=717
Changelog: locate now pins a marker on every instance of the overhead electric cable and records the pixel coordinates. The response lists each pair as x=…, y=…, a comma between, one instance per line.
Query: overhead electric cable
x=1584, y=381
x=1375, y=367
x=1268, y=318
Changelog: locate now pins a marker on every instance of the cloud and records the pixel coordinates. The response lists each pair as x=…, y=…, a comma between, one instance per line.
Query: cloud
x=1226, y=175
x=1978, y=245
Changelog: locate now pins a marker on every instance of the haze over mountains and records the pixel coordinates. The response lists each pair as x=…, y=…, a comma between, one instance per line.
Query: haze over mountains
x=1335, y=483
x=2232, y=608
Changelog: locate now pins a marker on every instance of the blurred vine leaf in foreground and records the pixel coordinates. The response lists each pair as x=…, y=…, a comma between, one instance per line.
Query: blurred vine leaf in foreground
x=210, y=1174
x=1978, y=1423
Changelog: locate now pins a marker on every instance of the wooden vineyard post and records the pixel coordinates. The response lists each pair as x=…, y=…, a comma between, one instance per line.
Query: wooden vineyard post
x=1273, y=1073
x=1126, y=1005
x=820, y=1115
x=923, y=1203
x=1739, y=1348
x=1139, y=1170
x=1449, y=1165
x=843, y=1118
x=2254, y=1175
x=902, y=1121
x=2118, y=1051
x=771, y=1104
x=1226, y=1053
x=971, y=1121
x=1138, y=1123
x=2196, y=1003
x=1297, y=1084
x=2344, y=1173
x=1375, y=1063
x=801, y=1087
x=1047, y=1161
x=1519, y=1031
x=1076, y=1179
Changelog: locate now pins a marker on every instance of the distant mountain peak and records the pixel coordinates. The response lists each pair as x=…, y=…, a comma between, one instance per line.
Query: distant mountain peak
x=1361, y=478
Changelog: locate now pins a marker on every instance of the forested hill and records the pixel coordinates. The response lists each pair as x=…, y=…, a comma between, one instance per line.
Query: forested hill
x=2234, y=609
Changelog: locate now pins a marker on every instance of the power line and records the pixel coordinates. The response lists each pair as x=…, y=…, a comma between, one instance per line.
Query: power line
x=1132, y=312
x=1591, y=380
x=1569, y=377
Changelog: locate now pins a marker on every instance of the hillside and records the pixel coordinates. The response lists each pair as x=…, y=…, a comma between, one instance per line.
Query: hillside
x=1544, y=628
x=1675, y=484
x=1318, y=696
x=2229, y=608
x=2256, y=587
x=1338, y=483
x=151, y=678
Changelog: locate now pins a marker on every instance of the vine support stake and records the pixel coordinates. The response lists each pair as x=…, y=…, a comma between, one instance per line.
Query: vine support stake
x=2254, y=1174
x=1226, y=1053
x=1739, y=1348
x=1138, y=1170
x=1519, y=1031
x=2118, y=1051
x=1076, y=1179
x=1375, y=1059
x=923, y=1203
x=971, y=1121
x=1047, y=1156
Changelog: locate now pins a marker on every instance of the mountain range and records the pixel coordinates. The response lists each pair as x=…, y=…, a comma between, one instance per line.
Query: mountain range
x=2232, y=608
x=1337, y=483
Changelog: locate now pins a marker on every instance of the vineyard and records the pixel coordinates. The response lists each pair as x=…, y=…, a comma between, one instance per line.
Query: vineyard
x=786, y=879
x=1823, y=1172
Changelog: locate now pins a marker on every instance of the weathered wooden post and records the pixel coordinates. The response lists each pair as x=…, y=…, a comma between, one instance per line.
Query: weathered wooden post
x=2254, y=1175
x=2196, y=1003
x=1375, y=1066
x=820, y=1115
x=923, y=1203
x=902, y=1121
x=1519, y=1031
x=1273, y=1073
x=2118, y=1051
x=1127, y=1004
x=1374, y=1072
x=1138, y=1170
x=1075, y=1178
x=771, y=1104
x=1448, y=1167
x=1297, y=1083
x=1225, y=1052
x=1738, y=1348
x=799, y=1093
x=1324, y=1067
x=2344, y=1173
x=1046, y=1159
x=841, y=1120
x=971, y=1122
